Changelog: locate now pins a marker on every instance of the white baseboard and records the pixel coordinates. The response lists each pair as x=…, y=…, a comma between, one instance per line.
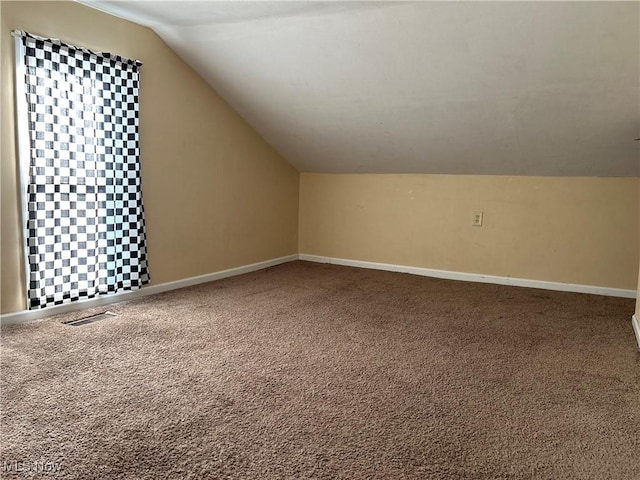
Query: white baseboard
x=475, y=277
x=30, y=315
x=636, y=329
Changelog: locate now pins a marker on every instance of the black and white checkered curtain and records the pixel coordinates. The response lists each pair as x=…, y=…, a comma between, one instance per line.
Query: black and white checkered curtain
x=85, y=217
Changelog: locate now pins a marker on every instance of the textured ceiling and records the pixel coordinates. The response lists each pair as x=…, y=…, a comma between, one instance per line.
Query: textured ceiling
x=523, y=88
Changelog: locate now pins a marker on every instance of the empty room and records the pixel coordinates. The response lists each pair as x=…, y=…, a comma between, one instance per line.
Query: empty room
x=286, y=239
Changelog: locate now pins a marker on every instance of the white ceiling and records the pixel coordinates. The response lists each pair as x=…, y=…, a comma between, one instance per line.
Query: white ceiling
x=522, y=88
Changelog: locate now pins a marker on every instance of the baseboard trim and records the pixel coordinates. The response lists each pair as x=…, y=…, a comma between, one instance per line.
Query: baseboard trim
x=636, y=328
x=474, y=277
x=24, y=316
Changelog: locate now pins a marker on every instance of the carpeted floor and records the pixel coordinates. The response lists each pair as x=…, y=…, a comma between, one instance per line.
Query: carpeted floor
x=317, y=371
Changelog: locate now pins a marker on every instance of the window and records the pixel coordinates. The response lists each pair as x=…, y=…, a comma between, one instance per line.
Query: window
x=79, y=161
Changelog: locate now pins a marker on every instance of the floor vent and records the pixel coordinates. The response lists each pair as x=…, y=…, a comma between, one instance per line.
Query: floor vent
x=91, y=319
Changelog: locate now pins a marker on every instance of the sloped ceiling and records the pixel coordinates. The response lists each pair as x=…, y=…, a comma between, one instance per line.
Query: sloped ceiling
x=522, y=88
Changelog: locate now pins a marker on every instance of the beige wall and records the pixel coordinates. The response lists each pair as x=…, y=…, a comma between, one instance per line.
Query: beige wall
x=573, y=230
x=216, y=195
x=638, y=295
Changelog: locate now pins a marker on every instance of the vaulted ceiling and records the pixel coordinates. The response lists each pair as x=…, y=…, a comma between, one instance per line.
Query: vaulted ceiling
x=521, y=88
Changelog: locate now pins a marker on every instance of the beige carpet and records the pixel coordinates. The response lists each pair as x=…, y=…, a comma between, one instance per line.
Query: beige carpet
x=318, y=371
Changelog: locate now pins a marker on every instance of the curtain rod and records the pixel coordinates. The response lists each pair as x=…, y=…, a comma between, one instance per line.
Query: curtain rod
x=23, y=34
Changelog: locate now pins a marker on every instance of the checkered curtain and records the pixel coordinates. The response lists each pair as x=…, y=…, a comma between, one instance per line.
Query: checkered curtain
x=85, y=217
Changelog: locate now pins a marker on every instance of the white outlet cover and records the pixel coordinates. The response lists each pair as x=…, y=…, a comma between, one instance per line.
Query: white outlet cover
x=476, y=218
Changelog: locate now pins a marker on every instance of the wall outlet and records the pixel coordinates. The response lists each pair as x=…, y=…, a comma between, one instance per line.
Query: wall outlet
x=476, y=218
